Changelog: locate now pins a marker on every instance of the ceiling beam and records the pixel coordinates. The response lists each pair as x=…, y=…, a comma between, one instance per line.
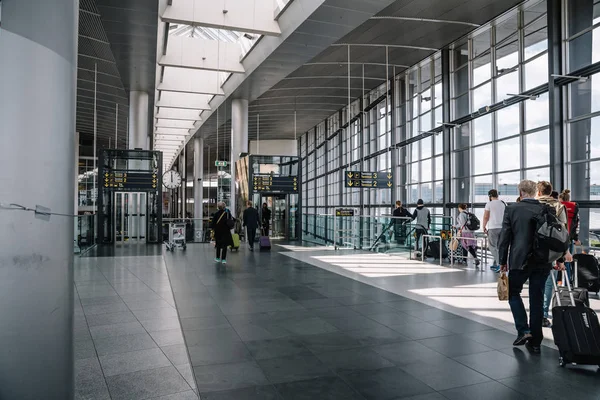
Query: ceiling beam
x=253, y=16
x=202, y=54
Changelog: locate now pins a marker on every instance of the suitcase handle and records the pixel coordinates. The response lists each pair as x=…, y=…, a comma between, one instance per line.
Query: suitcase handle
x=568, y=288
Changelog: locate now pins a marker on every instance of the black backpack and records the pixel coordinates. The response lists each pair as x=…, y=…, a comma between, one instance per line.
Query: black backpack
x=472, y=223
x=551, y=238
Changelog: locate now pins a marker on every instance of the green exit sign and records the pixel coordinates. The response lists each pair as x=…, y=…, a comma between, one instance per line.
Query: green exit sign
x=220, y=163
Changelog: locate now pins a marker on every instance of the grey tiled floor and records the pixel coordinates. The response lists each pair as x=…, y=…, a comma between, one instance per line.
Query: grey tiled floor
x=268, y=326
x=128, y=340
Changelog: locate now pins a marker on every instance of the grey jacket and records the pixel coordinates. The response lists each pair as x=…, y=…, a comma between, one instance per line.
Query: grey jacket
x=517, y=234
x=422, y=216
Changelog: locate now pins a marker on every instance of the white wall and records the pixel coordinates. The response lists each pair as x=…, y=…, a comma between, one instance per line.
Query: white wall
x=274, y=148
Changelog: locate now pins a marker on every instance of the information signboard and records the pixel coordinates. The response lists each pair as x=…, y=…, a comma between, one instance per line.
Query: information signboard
x=344, y=212
x=369, y=180
x=129, y=181
x=275, y=184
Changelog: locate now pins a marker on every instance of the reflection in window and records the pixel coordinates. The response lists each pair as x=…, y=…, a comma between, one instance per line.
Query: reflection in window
x=509, y=154
x=508, y=121
x=482, y=160
x=537, y=147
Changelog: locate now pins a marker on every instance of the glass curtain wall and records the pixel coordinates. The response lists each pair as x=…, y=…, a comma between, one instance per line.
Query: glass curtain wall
x=494, y=144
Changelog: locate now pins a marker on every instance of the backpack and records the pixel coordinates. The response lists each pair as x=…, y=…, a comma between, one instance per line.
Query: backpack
x=572, y=216
x=551, y=238
x=472, y=223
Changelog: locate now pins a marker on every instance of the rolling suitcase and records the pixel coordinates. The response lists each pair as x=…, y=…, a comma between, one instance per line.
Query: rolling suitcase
x=576, y=331
x=580, y=295
x=236, y=242
x=264, y=243
x=587, y=272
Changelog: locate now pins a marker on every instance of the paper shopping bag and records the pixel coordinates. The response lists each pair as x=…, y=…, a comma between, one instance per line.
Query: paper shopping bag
x=503, y=287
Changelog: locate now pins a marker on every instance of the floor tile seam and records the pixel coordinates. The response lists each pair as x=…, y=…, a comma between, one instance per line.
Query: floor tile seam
x=171, y=394
x=150, y=335
x=97, y=357
x=461, y=355
x=187, y=347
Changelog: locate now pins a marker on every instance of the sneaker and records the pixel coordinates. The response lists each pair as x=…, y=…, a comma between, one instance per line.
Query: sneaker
x=477, y=262
x=546, y=323
x=251, y=248
x=522, y=339
x=533, y=349
x=495, y=268
x=217, y=260
x=223, y=261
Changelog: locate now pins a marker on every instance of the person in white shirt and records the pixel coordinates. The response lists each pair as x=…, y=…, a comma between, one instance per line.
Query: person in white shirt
x=492, y=224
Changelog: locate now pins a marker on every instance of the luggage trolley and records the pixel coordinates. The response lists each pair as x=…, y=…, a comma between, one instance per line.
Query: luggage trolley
x=345, y=228
x=176, y=236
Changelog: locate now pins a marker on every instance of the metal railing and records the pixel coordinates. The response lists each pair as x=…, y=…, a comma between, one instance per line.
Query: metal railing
x=482, y=248
x=423, y=249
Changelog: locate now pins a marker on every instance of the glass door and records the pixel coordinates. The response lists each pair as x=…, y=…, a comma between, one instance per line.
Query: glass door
x=279, y=217
x=130, y=217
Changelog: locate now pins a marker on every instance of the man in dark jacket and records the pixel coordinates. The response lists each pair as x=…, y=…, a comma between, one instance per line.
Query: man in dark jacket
x=251, y=222
x=517, y=234
x=400, y=224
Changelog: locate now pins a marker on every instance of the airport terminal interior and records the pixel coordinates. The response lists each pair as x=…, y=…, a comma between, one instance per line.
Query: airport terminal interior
x=126, y=125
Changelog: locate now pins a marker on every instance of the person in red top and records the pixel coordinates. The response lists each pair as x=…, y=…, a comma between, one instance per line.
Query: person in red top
x=572, y=221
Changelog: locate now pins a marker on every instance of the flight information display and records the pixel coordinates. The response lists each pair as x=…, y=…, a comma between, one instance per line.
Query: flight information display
x=129, y=181
x=279, y=184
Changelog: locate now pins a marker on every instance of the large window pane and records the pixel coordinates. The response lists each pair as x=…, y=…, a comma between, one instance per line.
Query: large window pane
x=426, y=100
x=536, y=72
x=414, y=172
x=427, y=192
x=508, y=121
x=439, y=168
x=482, y=129
x=426, y=147
x=537, y=147
x=461, y=81
x=538, y=174
x=481, y=186
x=507, y=56
x=482, y=69
x=439, y=192
x=482, y=96
x=439, y=143
x=507, y=84
x=509, y=154
x=581, y=133
x=426, y=172
x=426, y=122
x=482, y=160
x=536, y=38
x=508, y=186
x=536, y=112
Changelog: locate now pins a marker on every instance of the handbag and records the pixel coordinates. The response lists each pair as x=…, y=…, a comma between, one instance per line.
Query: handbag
x=503, y=287
x=454, y=244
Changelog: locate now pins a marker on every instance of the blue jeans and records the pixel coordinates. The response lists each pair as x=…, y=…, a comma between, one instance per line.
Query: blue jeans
x=568, y=264
x=548, y=291
x=537, y=280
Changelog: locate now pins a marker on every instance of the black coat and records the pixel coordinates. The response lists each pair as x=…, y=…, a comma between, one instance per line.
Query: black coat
x=517, y=234
x=222, y=231
x=251, y=219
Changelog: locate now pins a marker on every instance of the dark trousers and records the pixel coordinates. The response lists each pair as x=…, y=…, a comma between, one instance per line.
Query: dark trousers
x=265, y=228
x=251, y=236
x=418, y=233
x=537, y=280
x=221, y=251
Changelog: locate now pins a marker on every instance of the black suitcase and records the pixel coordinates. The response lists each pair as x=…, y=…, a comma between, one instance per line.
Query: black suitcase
x=433, y=250
x=587, y=273
x=580, y=295
x=576, y=332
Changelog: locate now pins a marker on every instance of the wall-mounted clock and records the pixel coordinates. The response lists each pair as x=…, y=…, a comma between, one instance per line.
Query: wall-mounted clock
x=171, y=179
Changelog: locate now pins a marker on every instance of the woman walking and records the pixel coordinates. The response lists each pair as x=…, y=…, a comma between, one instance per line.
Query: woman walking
x=220, y=226
x=462, y=225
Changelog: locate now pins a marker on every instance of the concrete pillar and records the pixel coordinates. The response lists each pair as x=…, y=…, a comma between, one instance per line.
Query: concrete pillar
x=198, y=187
x=138, y=121
x=38, y=70
x=239, y=144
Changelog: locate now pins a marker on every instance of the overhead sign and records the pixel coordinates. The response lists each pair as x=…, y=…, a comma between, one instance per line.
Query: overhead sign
x=370, y=180
x=344, y=212
x=129, y=181
x=220, y=163
x=279, y=184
